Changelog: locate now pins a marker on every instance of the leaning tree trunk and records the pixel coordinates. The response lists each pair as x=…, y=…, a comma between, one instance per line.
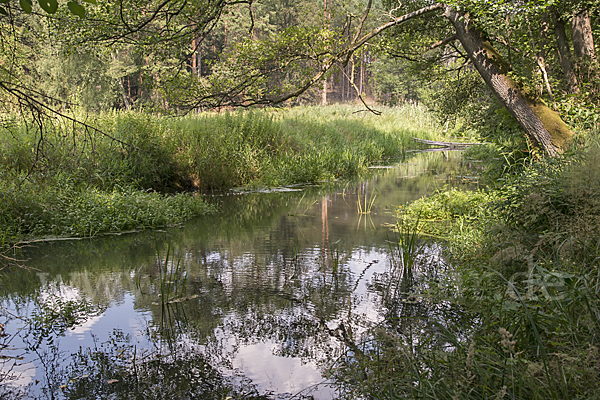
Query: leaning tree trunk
x=542, y=125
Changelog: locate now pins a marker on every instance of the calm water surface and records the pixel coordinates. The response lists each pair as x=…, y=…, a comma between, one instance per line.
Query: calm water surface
x=258, y=301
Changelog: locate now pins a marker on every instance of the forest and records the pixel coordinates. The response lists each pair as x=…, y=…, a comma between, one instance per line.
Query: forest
x=131, y=117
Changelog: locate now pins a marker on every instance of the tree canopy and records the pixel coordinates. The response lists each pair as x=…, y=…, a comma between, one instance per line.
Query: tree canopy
x=177, y=55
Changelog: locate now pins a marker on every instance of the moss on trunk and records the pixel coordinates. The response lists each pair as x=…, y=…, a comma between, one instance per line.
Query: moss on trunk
x=542, y=125
x=560, y=133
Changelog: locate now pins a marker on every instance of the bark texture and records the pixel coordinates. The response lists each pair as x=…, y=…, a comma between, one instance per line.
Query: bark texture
x=564, y=55
x=583, y=40
x=542, y=125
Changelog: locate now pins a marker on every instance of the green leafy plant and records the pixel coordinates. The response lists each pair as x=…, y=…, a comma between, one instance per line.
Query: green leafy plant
x=134, y=172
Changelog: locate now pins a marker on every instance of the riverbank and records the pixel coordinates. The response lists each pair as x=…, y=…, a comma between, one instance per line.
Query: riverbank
x=124, y=171
x=524, y=255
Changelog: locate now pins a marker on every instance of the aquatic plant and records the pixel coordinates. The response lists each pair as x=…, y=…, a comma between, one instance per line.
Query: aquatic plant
x=409, y=245
x=368, y=203
x=171, y=277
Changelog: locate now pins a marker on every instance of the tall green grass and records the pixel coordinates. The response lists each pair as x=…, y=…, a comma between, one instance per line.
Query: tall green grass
x=68, y=179
x=526, y=287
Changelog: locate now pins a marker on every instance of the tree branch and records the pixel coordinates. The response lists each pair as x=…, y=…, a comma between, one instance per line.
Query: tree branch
x=355, y=45
x=360, y=96
x=443, y=42
x=362, y=21
x=40, y=107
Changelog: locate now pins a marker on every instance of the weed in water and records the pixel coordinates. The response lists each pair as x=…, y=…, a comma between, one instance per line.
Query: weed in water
x=368, y=203
x=408, y=247
x=171, y=277
x=334, y=256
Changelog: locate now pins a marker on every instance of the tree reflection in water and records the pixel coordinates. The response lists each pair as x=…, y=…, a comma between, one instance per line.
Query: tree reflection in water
x=117, y=370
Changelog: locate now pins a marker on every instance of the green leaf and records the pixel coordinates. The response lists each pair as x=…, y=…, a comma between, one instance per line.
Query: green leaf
x=510, y=306
x=50, y=6
x=76, y=9
x=90, y=1
x=4, y=2
x=26, y=5
x=3, y=11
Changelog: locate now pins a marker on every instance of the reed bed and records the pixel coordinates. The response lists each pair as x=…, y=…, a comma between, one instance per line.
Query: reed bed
x=126, y=170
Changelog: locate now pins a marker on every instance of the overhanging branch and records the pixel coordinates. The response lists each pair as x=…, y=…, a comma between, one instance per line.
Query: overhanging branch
x=353, y=47
x=396, y=21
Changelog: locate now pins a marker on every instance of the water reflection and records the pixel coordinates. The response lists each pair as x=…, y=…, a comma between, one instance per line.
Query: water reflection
x=265, y=296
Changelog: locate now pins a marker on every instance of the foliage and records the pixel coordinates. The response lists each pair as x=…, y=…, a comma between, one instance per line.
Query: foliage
x=264, y=53
x=557, y=193
x=49, y=6
x=523, y=345
x=74, y=212
x=450, y=204
x=526, y=248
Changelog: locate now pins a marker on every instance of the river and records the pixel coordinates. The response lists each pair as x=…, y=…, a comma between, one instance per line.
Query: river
x=262, y=300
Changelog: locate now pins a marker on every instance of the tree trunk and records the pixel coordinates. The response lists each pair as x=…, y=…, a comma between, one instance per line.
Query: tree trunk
x=564, y=55
x=327, y=19
x=542, y=125
x=583, y=40
x=342, y=84
x=362, y=74
x=542, y=55
x=199, y=62
x=126, y=101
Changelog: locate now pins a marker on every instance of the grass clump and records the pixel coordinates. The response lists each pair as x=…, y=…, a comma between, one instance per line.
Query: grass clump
x=287, y=146
x=29, y=212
